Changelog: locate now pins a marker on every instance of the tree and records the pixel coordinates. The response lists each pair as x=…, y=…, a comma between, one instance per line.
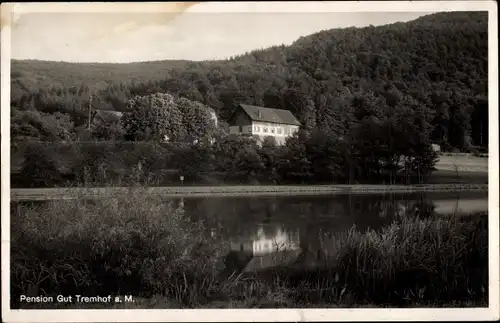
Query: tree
x=324, y=156
x=237, y=157
x=113, y=131
x=162, y=116
x=39, y=169
x=248, y=162
x=152, y=117
x=42, y=126
x=197, y=120
x=294, y=164
x=201, y=161
x=308, y=115
x=270, y=154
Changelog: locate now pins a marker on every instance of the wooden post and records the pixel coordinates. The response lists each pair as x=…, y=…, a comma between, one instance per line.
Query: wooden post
x=90, y=108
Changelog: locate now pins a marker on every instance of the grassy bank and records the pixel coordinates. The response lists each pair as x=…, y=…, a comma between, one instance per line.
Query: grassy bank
x=134, y=245
x=67, y=193
x=462, y=163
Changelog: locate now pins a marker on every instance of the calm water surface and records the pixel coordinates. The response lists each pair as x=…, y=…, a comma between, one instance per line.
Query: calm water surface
x=269, y=231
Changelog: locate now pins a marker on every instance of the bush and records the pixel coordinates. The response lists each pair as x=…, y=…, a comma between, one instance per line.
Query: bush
x=97, y=163
x=417, y=260
x=134, y=244
x=39, y=168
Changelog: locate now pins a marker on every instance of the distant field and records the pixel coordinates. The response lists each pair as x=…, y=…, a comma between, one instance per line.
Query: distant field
x=460, y=169
x=464, y=163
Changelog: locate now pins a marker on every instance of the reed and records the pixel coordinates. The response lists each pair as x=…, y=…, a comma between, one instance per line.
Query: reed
x=131, y=244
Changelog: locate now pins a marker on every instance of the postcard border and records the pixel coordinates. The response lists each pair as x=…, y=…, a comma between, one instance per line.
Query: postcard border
x=257, y=315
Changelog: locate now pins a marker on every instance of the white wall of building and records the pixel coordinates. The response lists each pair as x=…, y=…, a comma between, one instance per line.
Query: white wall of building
x=263, y=129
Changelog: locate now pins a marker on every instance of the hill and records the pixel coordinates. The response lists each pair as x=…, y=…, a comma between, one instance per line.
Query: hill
x=436, y=65
x=34, y=74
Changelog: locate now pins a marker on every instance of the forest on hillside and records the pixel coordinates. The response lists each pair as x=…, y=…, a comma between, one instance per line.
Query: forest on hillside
x=432, y=70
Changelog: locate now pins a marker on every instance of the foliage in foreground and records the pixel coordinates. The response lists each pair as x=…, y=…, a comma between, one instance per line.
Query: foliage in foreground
x=129, y=245
x=435, y=259
x=135, y=245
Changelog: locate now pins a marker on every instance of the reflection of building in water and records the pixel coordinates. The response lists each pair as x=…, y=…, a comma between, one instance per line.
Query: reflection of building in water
x=262, y=244
x=266, y=250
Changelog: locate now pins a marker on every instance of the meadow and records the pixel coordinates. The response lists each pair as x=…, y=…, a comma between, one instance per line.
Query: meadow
x=137, y=244
x=460, y=168
x=462, y=162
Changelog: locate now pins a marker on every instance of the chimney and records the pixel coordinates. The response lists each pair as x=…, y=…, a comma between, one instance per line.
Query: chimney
x=258, y=114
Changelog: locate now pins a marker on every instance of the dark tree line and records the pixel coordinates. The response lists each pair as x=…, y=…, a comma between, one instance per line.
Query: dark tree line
x=343, y=82
x=313, y=157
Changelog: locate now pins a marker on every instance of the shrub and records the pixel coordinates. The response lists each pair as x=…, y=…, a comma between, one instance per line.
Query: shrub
x=434, y=259
x=39, y=169
x=134, y=244
x=97, y=164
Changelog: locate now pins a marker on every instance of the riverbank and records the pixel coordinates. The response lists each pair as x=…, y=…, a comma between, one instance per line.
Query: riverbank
x=193, y=191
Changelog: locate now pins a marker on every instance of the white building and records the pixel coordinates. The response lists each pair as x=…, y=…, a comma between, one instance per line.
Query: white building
x=263, y=122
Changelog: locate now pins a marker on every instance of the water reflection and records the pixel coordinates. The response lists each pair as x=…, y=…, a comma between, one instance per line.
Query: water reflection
x=267, y=246
x=262, y=242
x=299, y=231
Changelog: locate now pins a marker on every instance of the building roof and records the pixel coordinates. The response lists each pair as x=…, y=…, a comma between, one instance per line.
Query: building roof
x=108, y=115
x=270, y=115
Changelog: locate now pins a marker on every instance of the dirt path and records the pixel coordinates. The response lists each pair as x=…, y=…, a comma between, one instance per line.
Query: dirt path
x=106, y=192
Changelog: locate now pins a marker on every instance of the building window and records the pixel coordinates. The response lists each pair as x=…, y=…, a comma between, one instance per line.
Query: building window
x=250, y=129
x=240, y=128
x=279, y=130
x=272, y=130
x=264, y=129
x=257, y=129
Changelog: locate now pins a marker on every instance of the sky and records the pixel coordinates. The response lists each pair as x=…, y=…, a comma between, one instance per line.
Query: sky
x=195, y=32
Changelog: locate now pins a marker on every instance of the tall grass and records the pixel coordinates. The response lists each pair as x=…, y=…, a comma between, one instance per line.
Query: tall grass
x=436, y=259
x=133, y=244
